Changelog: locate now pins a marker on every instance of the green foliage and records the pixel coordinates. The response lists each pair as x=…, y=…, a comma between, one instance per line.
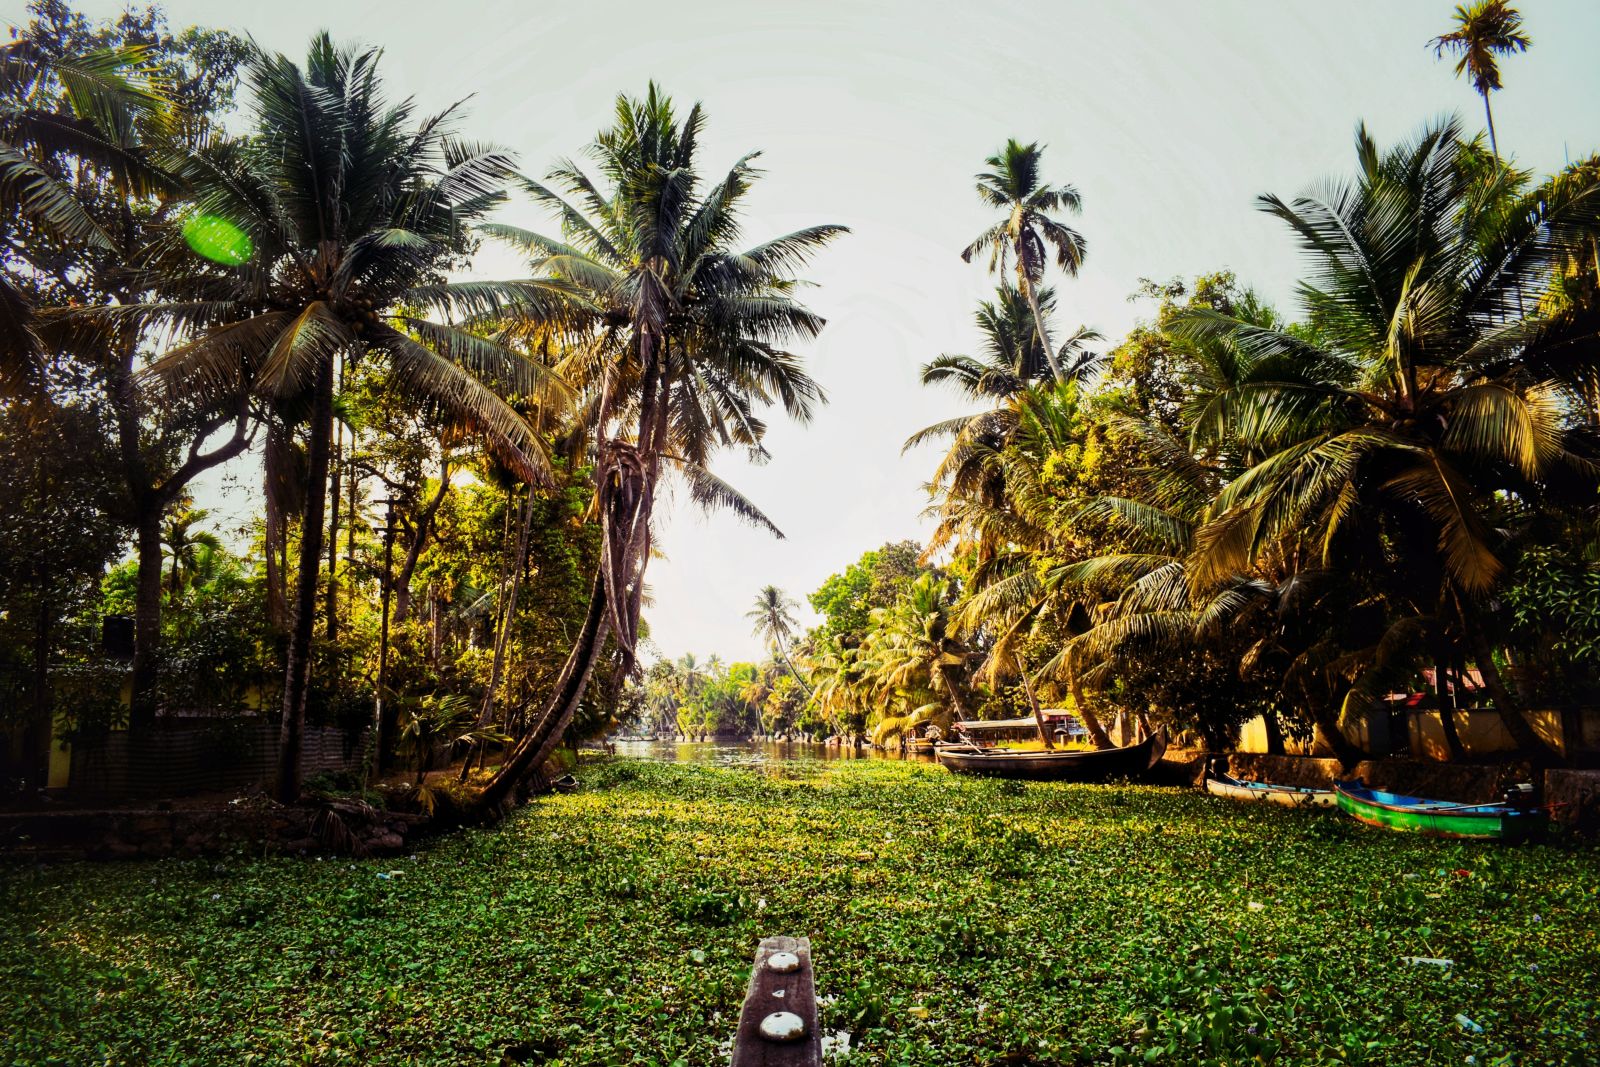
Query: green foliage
x=846, y=600
x=951, y=924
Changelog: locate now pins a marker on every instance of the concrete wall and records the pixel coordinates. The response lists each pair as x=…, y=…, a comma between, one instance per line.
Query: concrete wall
x=1371, y=733
x=1445, y=781
x=201, y=756
x=1570, y=732
x=1573, y=732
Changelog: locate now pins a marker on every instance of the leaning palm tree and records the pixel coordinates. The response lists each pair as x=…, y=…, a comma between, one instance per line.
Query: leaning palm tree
x=683, y=346
x=1029, y=233
x=773, y=620
x=1484, y=31
x=1421, y=411
x=329, y=230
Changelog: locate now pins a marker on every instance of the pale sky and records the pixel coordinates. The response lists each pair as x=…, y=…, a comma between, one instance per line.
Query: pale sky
x=1169, y=116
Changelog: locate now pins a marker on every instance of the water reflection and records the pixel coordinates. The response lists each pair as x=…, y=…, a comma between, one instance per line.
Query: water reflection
x=749, y=753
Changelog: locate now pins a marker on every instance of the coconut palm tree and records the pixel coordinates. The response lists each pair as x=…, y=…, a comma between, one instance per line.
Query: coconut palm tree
x=914, y=646
x=337, y=220
x=1484, y=31
x=1010, y=364
x=53, y=110
x=684, y=344
x=1418, y=417
x=1029, y=234
x=773, y=620
x=187, y=544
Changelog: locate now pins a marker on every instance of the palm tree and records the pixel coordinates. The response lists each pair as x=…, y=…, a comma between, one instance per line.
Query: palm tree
x=844, y=689
x=54, y=110
x=187, y=545
x=774, y=621
x=1419, y=417
x=352, y=211
x=914, y=646
x=1029, y=233
x=1484, y=31
x=682, y=347
x=1011, y=364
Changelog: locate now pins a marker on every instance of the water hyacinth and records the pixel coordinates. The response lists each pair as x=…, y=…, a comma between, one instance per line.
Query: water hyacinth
x=942, y=949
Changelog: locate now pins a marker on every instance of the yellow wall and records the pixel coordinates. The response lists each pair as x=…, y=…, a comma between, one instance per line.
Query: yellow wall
x=60, y=765
x=1481, y=732
x=1368, y=733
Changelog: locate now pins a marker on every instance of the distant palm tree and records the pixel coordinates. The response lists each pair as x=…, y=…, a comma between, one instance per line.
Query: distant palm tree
x=1009, y=366
x=1484, y=31
x=1029, y=233
x=914, y=645
x=187, y=545
x=774, y=621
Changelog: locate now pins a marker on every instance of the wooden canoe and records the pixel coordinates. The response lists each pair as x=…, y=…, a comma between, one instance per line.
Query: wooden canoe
x=1440, y=818
x=1057, y=766
x=1295, y=796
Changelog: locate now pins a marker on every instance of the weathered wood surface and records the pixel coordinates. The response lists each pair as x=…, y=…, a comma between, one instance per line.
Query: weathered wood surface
x=798, y=995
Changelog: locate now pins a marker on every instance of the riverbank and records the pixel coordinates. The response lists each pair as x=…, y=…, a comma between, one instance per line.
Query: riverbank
x=953, y=922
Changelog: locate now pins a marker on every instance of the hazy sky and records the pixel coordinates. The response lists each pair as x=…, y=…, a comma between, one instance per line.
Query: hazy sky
x=1169, y=116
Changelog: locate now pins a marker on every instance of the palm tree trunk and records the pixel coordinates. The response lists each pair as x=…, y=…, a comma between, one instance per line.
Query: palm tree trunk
x=1091, y=721
x=1494, y=145
x=335, y=495
x=1033, y=702
x=786, y=662
x=1444, y=697
x=1038, y=322
x=958, y=704
x=535, y=747
x=275, y=535
x=1269, y=720
x=408, y=567
x=146, y=621
x=297, y=674
x=509, y=614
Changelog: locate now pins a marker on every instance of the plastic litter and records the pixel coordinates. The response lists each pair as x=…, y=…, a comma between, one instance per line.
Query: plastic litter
x=1468, y=1025
x=1429, y=961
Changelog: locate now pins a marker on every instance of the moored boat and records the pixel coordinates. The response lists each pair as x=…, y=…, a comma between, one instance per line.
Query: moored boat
x=1056, y=766
x=1440, y=818
x=1226, y=785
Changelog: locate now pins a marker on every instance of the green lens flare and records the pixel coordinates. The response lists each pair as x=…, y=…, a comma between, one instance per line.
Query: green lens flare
x=218, y=240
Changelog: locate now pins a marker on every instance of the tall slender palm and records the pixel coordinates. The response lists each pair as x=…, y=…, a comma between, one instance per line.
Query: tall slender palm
x=773, y=620
x=683, y=346
x=352, y=209
x=1029, y=234
x=1485, y=30
x=1010, y=364
x=1421, y=415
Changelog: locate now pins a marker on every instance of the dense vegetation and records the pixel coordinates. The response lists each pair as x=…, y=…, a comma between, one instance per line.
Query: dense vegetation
x=211, y=251
x=953, y=921
x=457, y=477
x=1241, y=511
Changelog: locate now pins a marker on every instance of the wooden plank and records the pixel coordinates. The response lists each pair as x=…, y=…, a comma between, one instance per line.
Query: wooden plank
x=771, y=991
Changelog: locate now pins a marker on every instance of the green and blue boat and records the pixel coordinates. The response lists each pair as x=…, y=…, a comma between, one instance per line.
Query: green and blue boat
x=1440, y=818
